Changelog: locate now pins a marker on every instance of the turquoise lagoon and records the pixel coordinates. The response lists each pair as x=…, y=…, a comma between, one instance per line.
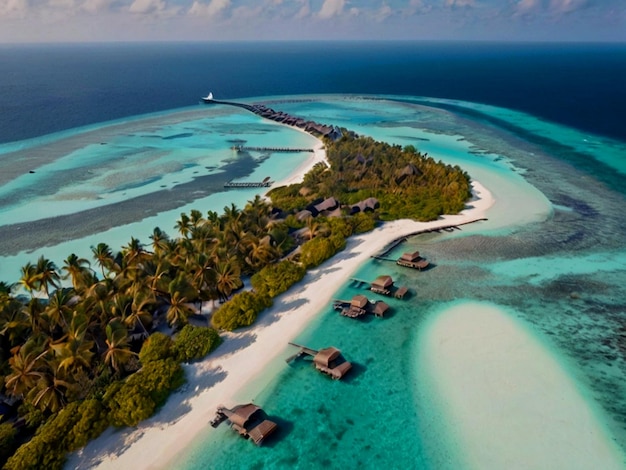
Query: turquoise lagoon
x=552, y=252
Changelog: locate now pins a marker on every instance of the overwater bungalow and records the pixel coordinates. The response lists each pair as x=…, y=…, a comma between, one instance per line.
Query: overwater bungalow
x=328, y=360
x=413, y=260
x=249, y=420
x=382, y=285
x=361, y=305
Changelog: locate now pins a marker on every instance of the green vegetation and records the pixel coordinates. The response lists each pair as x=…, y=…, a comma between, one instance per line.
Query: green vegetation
x=241, y=310
x=407, y=184
x=77, y=350
x=193, y=342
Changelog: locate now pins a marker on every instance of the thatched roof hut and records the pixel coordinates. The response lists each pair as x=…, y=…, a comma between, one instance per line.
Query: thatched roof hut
x=382, y=282
x=328, y=204
x=380, y=308
x=250, y=421
x=359, y=301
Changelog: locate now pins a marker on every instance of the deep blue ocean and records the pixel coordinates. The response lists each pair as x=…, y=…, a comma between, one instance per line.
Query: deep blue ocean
x=48, y=88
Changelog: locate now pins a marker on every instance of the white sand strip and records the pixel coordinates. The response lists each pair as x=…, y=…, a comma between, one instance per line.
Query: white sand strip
x=506, y=401
x=246, y=355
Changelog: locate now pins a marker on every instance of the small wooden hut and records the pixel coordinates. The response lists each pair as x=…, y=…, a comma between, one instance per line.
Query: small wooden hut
x=328, y=360
x=382, y=285
x=357, y=307
x=379, y=308
x=249, y=420
x=413, y=260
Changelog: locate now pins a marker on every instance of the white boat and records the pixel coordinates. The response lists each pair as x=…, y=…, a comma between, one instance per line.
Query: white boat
x=208, y=97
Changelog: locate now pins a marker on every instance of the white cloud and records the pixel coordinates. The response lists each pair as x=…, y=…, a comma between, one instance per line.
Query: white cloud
x=384, y=12
x=14, y=8
x=304, y=12
x=526, y=7
x=460, y=3
x=331, y=8
x=93, y=6
x=566, y=6
x=146, y=6
x=211, y=9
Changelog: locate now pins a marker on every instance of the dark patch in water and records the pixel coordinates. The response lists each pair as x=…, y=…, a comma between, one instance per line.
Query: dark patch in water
x=178, y=136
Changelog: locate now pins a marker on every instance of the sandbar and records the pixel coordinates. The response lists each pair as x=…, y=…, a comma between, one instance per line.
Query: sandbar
x=505, y=398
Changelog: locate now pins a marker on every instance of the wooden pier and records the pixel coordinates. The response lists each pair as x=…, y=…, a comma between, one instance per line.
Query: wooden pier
x=266, y=183
x=242, y=148
x=402, y=239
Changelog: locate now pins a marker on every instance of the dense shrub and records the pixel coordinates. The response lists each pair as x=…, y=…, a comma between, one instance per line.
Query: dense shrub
x=275, y=279
x=158, y=346
x=194, y=342
x=241, y=310
x=362, y=222
x=143, y=392
x=7, y=441
x=316, y=251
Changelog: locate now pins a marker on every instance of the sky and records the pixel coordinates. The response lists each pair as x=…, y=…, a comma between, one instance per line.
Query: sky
x=228, y=20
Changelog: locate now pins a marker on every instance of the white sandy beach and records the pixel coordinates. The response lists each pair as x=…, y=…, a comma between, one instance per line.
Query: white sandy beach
x=506, y=400
x=216, y=380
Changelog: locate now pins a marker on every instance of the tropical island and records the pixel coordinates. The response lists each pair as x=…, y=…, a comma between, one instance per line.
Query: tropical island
x=92, y=346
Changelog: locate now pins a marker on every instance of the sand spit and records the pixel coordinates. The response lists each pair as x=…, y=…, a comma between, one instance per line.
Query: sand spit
x=505, y=399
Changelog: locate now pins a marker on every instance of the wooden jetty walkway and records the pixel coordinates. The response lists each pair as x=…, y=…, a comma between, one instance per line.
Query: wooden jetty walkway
x=242, y=148
x=266, y=183
x=397, y=241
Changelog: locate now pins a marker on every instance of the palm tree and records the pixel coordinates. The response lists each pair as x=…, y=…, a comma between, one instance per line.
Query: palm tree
x=104, y=257
x=183, y=225
x=118, y=351
x=133, y=253
x=58, y=309
x=140, y=313
x=14, y=323
x=46, y=275
x=98, y=299
x=29, y=278
x=34, y=310
x=79, y=271
x=227, y=278
x=51, y=390
x=27, y=366
x=159, y=241
x=73, y=351
x=178, y=311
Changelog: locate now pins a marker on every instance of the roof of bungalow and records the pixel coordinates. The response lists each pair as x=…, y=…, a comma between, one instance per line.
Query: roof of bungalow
x=410, y=256
x=371, y=203
x=380, y=308
x=383, y=282
x=240, y=414
x=328, y=204
x=326, y=355
x=359, y=301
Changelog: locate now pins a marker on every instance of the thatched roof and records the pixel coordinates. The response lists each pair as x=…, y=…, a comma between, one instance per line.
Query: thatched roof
x=383, y=282
x=410, y=256
x=324, y=356
x=240, y=414
x=328, y=204
x=359, y=301
x=380, y=308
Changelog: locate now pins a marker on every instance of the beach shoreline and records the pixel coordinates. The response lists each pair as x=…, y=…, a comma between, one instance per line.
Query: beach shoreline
x=219, y=378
